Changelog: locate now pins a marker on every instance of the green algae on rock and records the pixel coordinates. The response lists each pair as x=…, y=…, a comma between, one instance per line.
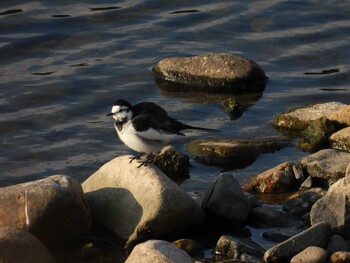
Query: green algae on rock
x=214, y=72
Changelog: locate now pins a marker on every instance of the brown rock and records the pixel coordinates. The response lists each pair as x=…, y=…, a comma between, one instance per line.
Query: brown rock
x=21, y=246
x=311, y=255
x=341, y=139
x=279, y=179
x=340, y=257
x=341, y=116
x=53, y=209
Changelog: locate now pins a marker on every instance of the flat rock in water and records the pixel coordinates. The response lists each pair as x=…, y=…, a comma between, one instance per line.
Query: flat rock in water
x=317, y=235
x=54, y=209
x=154, y=251
x=232, y=153
x=225, y=199
x=334, y=208
x=311, y=254
x=328, y=165
x=298, y=119
x=341, y=116
x=21, y=246
x=279, y=179
x=341, y=139
x=215, y=72
x=137, y=204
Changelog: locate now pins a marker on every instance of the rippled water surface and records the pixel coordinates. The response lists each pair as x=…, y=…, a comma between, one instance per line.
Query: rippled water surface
x=63, y=63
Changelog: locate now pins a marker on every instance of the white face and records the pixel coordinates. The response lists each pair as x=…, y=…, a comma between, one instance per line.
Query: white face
x=121, y=113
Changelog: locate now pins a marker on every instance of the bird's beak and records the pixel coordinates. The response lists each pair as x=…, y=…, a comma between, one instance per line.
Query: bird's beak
x=109, y=114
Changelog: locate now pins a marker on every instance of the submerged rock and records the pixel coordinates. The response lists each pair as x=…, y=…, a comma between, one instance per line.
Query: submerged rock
x=215, y=72
x=334, y=208
x=299, y=119
x=154, y=251
x=232, y=153
x=233, y=108
x=54, y=209
x=137, y=204
x=341, y=140
x=21, y=246
x=317, y=235
x=327, y=166
x=279, y=179
x=224, y=199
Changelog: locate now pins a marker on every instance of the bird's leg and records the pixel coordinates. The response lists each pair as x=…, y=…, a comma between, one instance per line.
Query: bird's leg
x=145, y=162
x=136, y=157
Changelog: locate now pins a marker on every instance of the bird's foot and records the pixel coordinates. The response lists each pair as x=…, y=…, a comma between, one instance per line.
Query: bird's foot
x=145, y=162
x=136, y=157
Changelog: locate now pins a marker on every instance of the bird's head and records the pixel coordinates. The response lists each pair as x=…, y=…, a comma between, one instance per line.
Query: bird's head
x=121, y=111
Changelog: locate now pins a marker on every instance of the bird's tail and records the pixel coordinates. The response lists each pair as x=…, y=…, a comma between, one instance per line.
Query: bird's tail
x=200, y=128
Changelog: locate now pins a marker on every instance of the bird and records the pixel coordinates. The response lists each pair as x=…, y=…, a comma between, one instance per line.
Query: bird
x=146, y=127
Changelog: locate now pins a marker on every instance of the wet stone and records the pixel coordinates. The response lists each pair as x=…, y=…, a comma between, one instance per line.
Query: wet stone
x=341, y=140
x=233, y=108
x=188, y=245
x=214, y=72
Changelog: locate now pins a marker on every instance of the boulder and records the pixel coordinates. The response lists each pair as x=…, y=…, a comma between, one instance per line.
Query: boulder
x=158, y=251
x=298, y=119
x=340, y=257
x=236, y=247
x=341, y=139
x=225, y=199
x=54, y=209
x=214, y=72
x=334, y=208
x=341, y=116
x=21, y=246
x=279, y=179
x=327, y=166
x=232, y=153
x=311, y=254
x=137, y=204
x=317, y=235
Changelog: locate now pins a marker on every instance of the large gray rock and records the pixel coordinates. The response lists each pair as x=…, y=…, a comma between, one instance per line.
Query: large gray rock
x=334, y=208
x=225, y=199
x=53, y=209
x=158, y=251
x=21, y=246
x=328, y=165
x=298, y=119
x=279, y=179
x=138, y=203
x=215, y=72
x=317, y=235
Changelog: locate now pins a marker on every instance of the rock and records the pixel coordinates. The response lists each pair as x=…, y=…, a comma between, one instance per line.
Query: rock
x=232, y=153
x=215, y=72
x=233, y=108
x=280, y=234
x=337, y=243
x=54, y=209
x=279, y=179
x=173, y=163
x=225, y=199
x=188, y=245
x=341, y=116
x=340, y=257
x=267, y=217
x=307, y=184
x=315, y=136
x=137, y=204
x=154, y=251
x=341, y=140
x=298, y=119
x=235, y=248
x=334, y=208
x=317, y=235
x=21, y=246
x=328, y=165
x=311, y=254
x=301, y=204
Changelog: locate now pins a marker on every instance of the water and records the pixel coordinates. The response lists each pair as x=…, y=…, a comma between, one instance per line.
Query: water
x=63, y=63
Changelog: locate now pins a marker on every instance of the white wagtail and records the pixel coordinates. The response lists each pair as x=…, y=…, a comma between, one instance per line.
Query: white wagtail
x=146, y=127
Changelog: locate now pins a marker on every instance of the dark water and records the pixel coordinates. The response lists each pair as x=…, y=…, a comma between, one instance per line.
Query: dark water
x=63, y=63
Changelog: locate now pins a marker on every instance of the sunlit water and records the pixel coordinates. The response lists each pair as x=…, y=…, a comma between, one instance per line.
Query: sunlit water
x=63, y=63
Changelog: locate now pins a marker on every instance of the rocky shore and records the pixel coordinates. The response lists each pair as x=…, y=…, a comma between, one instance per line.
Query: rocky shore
x=124, y=213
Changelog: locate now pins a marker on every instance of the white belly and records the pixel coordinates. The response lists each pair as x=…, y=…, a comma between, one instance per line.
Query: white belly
x=130, y=138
